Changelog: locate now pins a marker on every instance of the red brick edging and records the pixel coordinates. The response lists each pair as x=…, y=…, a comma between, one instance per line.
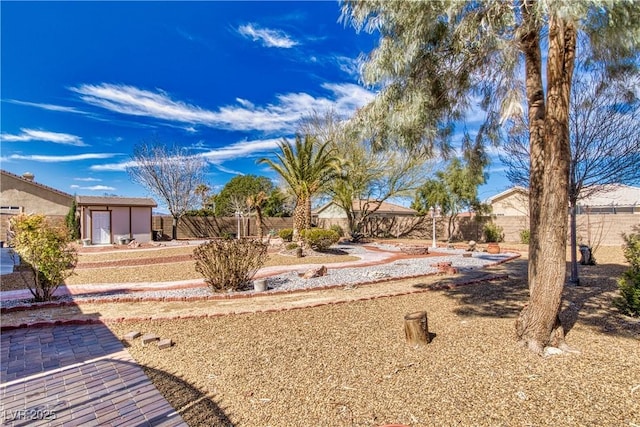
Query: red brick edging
x=37, y=306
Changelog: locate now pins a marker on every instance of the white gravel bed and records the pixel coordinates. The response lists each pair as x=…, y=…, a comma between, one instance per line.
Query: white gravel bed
x=335, y=276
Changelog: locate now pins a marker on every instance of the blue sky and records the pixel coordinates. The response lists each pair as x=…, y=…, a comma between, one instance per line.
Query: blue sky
x=83, y=82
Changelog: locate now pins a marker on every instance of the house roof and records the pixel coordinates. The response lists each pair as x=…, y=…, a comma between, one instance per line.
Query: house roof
x=608, y=195
x=508, y=192
x=36, y=184
x=115, y=201
x=613, y=195
x=385, y=207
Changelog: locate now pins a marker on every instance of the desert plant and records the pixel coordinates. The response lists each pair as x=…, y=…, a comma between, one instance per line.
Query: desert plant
x=492, y=232
x=45, y=250
x=229, y=265
x=337, y=229
x=525, y=236
x=286, y=234
x=73, y=221
x=291, y=246
x=319, y=239
x=629, y=284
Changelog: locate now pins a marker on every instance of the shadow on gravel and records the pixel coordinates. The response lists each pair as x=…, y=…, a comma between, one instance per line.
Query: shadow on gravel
x=590, y=303
x=195, y=407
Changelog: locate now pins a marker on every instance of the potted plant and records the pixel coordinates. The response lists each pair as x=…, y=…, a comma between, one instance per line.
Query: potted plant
x=492, y=235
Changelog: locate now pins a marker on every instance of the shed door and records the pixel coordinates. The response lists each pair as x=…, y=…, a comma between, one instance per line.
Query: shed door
x=100, y=228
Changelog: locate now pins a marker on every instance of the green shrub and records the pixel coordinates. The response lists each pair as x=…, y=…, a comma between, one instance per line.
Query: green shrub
x=319, y=239
x=291, y=246
x=337, y=229
x=492, y=232
x=525, y=236
x=45, y=250
x=629, y=283
x=229, y=265
x=286, y=234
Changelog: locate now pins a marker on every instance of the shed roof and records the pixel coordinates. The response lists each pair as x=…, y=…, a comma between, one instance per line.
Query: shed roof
x=115, y=201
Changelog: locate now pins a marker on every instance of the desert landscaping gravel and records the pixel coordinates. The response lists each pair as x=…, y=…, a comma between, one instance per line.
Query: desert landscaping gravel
x=347, y=363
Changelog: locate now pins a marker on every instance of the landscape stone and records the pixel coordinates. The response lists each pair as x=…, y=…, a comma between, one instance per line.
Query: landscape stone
x=165, y=343
x=132, y=335
x=315, y=272
x=148, y=338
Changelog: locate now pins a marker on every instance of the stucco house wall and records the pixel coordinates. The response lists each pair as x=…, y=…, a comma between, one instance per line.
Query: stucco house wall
x=22, y=194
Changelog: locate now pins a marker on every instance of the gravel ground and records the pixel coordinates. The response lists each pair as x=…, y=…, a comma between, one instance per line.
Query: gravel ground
x=348, y=364
x=335, y=276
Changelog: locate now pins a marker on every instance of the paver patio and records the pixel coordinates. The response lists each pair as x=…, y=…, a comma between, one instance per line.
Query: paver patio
x=76, y=375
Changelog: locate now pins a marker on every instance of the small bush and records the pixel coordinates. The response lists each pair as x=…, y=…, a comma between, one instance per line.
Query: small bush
x=492, y=232
x=319, y=239
x=286, y=234
x=525, y=236
x=337, y=229
x=45, y=250
x=629, y=283
x=229, y=265
x=291, y=246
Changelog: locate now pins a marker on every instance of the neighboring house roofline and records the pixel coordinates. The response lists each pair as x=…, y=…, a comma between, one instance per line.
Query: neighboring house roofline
x=508, y=191
x=37, y=184
x=385, y=207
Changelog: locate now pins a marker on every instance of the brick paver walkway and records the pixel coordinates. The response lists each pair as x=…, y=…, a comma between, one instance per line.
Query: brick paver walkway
x=76, y=376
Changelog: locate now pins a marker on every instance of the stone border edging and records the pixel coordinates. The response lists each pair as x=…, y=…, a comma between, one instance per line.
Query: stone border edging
x=62, y=322
x=434, y=287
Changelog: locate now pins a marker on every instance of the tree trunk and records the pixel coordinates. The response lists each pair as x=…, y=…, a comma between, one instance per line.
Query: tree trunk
x=416, y=329
x=298, y=218
x=574, y=279
x=174, y=228
x=259, y=222
x=539, y=324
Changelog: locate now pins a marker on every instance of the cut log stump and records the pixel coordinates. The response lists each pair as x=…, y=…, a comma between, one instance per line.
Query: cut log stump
x=416, y=329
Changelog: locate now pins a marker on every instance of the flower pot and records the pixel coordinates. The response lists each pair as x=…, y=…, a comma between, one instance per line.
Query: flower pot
x=493, y=248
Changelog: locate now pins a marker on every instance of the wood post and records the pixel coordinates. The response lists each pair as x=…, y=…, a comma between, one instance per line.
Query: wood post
x=416, y=329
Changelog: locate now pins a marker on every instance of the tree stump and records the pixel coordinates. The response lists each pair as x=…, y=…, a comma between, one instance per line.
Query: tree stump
x=416, y=330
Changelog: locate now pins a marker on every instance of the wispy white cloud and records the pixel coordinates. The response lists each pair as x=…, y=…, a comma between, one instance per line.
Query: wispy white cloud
x=27, y=135
x=227, y=170
x=55, y=159
x=281, y=116
x=240, y=149
x=94, y=188
x=268, y=37
x=215, y=157
x=113, y=167
x=50, y=107
x=87, y=179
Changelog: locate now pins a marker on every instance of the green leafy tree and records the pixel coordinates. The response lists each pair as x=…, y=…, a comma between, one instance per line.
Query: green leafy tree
x=234, y=194
x=307, y=167
x=45, y=249
x=276, y=204
x=629, y=284
x=433, y=57
x=454, y=190
x=369, y=175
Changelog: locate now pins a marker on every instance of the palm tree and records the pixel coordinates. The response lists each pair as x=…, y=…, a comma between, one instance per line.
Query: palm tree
x=307, y=167
x=202, y=190
x=256, y=202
